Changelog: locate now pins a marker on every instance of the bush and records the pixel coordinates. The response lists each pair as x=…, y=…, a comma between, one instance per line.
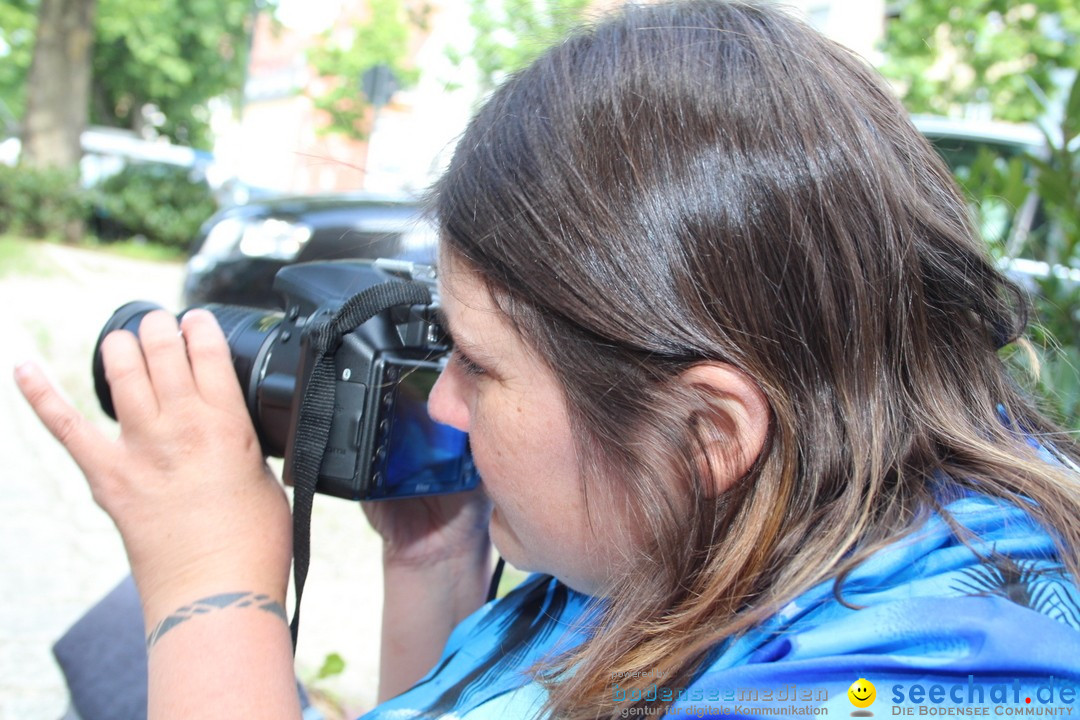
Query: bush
x=996, y=186
x=1056, y=328
x=41, y=203
x=1057, y=182
x=161, y=203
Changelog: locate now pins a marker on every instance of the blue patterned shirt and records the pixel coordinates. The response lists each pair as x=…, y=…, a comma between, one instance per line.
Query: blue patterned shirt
x=941, y=629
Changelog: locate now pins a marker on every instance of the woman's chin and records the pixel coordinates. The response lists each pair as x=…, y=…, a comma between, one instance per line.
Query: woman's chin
x=506, y=543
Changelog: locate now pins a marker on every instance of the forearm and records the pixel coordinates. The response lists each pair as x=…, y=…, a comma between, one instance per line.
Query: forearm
x=421, y=606
x=225, y=655
x=200, y=515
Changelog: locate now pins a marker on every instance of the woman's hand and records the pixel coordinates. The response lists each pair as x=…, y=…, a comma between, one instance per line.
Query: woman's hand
x=185, y=482
x=425, y=531
x=436, y=567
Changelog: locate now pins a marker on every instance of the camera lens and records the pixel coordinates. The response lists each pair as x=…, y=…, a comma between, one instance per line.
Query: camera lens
x=250, y=332
x=127, y=317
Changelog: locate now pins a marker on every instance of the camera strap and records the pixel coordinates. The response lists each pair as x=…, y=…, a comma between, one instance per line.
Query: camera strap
x=313, y=424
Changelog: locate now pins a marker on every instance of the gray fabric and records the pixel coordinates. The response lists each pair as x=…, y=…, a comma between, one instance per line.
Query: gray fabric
x=103, y=658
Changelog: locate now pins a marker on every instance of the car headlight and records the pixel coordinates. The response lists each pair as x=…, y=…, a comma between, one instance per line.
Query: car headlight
x=274, y=239
x=270, y=238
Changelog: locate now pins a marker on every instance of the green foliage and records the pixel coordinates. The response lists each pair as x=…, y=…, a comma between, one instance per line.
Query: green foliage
x=381, y=40
x=1054, y=179
x=332, y=665
x=997, y=188
x=137, y=248
x=161, y=203
x=1057, y=182
x=171, y=55
x=510, y=34
x=18, y=256
x=948, y=54
x=17, y=23
x=40, y=203
x=993, y=51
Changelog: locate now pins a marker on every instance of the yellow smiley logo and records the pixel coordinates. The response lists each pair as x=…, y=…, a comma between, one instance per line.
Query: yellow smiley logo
x=862, y=693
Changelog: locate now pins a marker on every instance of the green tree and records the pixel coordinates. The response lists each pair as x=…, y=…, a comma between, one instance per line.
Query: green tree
x=996, y=188
x=17, y=24
x=951, y=53
x=152, y=60
x=379, y=44
x=512, y=33
x=1057, y=183
x=58, y=83
x=1012, y=56
x=161, y=61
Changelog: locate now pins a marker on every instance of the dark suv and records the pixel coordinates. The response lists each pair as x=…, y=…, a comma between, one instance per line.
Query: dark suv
x=240, y=249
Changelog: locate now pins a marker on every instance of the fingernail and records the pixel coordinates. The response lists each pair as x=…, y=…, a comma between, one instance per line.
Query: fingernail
x=25, y=369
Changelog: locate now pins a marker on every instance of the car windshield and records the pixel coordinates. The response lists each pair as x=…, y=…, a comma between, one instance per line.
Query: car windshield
x=990, y=162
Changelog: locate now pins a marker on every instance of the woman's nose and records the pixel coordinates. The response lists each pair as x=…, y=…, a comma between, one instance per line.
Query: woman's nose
x=446, y=403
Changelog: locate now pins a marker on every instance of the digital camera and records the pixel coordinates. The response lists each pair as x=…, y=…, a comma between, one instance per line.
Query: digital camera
x=382, y=442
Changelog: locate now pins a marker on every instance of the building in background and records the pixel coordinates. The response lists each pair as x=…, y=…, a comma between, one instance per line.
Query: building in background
x=856, y=24
x=277, y=145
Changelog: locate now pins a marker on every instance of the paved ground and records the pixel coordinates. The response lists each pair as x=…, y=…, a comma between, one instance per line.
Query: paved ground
x=59, y=553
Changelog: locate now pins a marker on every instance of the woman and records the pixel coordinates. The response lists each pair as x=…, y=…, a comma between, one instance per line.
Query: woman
x=726, y=348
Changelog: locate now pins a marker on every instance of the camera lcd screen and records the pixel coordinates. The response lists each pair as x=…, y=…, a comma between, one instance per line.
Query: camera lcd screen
x=417, y=456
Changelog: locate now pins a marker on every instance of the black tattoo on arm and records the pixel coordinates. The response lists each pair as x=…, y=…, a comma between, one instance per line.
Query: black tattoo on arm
x=212, y=603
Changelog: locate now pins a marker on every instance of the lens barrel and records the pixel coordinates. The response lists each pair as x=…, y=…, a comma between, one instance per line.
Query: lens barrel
x=126, y=317
x=250, y=333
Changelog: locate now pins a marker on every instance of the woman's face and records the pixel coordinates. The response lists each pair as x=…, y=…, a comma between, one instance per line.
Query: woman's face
x=498, y=390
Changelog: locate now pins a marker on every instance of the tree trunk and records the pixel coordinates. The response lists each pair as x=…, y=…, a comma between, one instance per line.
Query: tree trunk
x=58, y=88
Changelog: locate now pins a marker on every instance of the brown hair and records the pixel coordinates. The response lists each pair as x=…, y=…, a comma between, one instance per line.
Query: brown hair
x=714, y=181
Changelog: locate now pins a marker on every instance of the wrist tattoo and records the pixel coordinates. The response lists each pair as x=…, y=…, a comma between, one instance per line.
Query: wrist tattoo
x=212, y=603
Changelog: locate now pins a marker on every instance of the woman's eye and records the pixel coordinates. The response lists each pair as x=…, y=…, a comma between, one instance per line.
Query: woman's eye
x=467, y=365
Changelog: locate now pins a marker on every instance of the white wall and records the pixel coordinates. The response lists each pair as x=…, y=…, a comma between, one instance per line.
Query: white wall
x=857, y=24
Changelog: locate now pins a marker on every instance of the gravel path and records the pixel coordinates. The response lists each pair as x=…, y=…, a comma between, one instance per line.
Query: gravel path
x=59, y=553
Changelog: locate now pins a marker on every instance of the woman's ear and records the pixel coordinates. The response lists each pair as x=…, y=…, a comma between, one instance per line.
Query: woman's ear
x=741, y=419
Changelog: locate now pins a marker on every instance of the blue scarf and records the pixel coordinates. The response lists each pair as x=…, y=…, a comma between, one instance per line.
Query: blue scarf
x=942, y=629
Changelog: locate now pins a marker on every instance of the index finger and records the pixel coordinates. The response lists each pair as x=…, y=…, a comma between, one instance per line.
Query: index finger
x=84, y=442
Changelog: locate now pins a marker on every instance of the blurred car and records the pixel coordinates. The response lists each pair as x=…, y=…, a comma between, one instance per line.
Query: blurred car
x=961, y=143
x=113, y=157
x=107, y=151
x=241, y=248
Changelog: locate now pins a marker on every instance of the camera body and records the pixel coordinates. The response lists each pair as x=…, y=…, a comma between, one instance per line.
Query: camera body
x=382, y=443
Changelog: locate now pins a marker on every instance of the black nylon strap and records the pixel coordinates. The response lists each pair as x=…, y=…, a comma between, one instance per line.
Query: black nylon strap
x=316, y=410
x=496, y=576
